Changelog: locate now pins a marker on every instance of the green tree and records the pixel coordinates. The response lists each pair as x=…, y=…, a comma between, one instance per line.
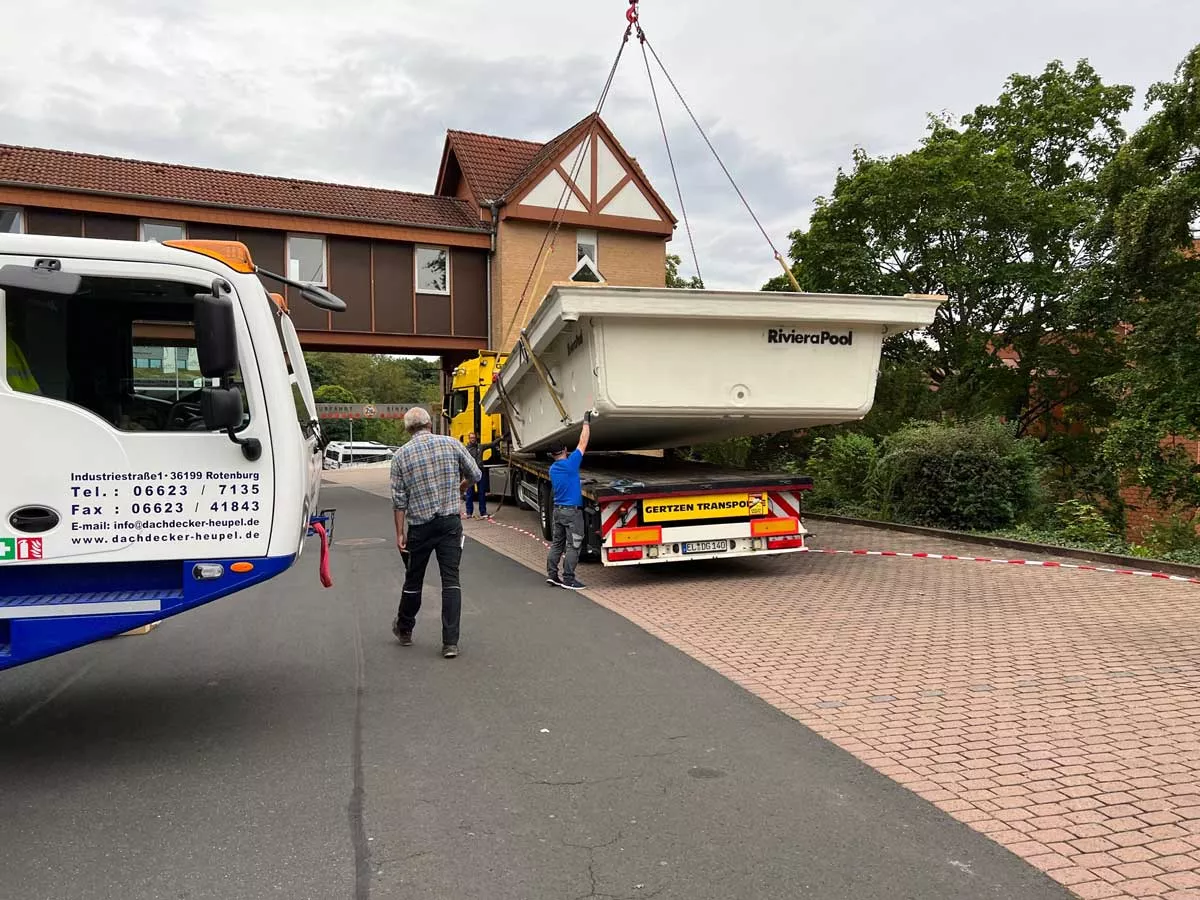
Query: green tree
x=1153, y=193
x=318, y=372
x=334, y=429
x=675, y=280
x=375, y=378
x=996, y=215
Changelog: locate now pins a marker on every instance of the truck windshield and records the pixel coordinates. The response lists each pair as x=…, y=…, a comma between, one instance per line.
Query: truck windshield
x=122, y=348
x=460, y=402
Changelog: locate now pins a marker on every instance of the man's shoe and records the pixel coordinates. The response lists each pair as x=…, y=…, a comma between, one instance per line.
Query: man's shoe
x=572, y=584
x=450, y=651
x=404, y=637
x=554, y=580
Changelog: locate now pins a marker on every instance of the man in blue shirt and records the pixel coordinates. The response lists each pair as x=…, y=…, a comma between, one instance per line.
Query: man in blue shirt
x=567, y=516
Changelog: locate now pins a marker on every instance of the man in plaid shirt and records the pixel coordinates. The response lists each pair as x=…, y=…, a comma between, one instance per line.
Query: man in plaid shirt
x=429, y=476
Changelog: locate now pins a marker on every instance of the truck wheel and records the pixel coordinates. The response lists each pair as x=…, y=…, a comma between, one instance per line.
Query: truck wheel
x=518, y=479
x=546, y=510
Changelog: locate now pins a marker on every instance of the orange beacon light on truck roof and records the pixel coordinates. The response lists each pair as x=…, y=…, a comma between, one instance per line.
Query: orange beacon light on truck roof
x=233, y=253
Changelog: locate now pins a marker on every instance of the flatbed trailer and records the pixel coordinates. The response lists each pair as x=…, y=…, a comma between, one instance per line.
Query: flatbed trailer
x=641, y=508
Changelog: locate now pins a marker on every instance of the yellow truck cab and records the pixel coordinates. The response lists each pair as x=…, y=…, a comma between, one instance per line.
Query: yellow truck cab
x=463, y=407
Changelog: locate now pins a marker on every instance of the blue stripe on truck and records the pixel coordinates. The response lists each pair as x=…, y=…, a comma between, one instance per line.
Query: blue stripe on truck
x=73, y=587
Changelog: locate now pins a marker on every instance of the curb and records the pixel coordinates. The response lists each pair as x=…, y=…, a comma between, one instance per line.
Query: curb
x=1111, y=559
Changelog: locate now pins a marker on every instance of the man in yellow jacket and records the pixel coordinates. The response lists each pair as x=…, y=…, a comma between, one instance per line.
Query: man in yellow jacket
x=19, y=375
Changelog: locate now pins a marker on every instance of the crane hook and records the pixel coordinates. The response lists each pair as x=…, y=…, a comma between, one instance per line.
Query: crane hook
x=632, y=13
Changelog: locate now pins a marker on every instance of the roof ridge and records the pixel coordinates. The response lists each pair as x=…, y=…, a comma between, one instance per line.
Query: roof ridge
x=495, y=137
x=539, y=160
x=215, y=171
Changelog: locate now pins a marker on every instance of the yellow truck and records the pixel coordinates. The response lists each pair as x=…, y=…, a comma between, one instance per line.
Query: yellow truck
x=639, y=508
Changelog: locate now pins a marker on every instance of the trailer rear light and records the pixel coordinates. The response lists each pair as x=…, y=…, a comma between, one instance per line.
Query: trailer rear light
x=785, y=543
x=628, y=537
x=652, y=551
x=624, y=555
x=765, y=527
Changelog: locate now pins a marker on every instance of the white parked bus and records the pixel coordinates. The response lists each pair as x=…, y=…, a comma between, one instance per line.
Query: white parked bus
x=343, y=454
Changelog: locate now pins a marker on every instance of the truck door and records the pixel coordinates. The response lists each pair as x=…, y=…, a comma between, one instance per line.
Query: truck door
x=460, y=408
x=105, y=456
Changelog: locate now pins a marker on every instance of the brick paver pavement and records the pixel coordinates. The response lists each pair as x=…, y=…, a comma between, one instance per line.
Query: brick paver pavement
x=1056, y=711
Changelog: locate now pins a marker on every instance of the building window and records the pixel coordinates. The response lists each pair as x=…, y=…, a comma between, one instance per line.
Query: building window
x=11, y=220
x=585, y=271
x=587, y=243
x=154, y=230
x=306, y=259
x=587, y=256
x=433, y=270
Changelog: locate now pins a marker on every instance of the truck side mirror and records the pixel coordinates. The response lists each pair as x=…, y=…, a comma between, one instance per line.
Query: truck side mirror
x=216, y=334
x=221, y=408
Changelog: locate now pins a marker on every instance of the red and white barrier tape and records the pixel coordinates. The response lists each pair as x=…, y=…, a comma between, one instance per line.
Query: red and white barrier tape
x=1041, y=564
x=536, y=537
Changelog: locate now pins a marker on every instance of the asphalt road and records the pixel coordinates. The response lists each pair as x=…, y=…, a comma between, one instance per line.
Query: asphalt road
x=281, y=743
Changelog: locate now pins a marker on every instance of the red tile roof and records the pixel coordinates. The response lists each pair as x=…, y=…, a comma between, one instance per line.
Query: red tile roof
x=498, y=168
x=68, y=171
x=491, y=164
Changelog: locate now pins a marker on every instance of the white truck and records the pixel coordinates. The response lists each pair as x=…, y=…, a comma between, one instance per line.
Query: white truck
x=120, y=506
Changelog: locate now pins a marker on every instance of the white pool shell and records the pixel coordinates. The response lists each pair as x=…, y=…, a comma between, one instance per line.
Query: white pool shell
x=665, y=367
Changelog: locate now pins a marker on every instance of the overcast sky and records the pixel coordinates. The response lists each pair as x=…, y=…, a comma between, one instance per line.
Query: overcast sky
x=362, y=92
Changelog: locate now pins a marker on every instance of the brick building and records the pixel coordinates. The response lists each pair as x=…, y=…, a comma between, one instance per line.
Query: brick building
x=436, y=274
x=613, y=225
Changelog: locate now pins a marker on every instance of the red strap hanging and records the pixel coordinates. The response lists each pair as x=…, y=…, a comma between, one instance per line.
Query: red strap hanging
x=326, y=576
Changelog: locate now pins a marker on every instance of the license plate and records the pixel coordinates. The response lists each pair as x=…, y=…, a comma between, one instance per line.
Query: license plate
x=706, y=547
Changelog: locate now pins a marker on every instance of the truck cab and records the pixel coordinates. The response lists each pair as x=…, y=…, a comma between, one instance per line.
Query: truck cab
x=162, y=445
x=463, y=407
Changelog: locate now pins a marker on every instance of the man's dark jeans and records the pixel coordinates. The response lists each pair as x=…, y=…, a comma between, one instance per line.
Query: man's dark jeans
x=567, y=531
x=443, y=536
x=478, y=490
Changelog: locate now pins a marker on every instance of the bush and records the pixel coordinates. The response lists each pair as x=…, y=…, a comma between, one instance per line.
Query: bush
x=1174, y=541
x=733, y=452
x=974, y=477
x=1055, y=538
x=842, y=467
x=1082, y=523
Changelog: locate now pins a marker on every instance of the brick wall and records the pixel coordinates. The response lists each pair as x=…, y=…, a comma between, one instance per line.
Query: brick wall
x=1141, y=512
x=626, y=258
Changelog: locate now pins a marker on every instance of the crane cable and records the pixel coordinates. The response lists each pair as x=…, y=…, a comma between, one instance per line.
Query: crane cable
x=778, y=256
x=551, y=234
x=666, y=141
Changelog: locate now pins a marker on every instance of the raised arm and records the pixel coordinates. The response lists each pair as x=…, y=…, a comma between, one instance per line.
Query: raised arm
x=585, y=433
